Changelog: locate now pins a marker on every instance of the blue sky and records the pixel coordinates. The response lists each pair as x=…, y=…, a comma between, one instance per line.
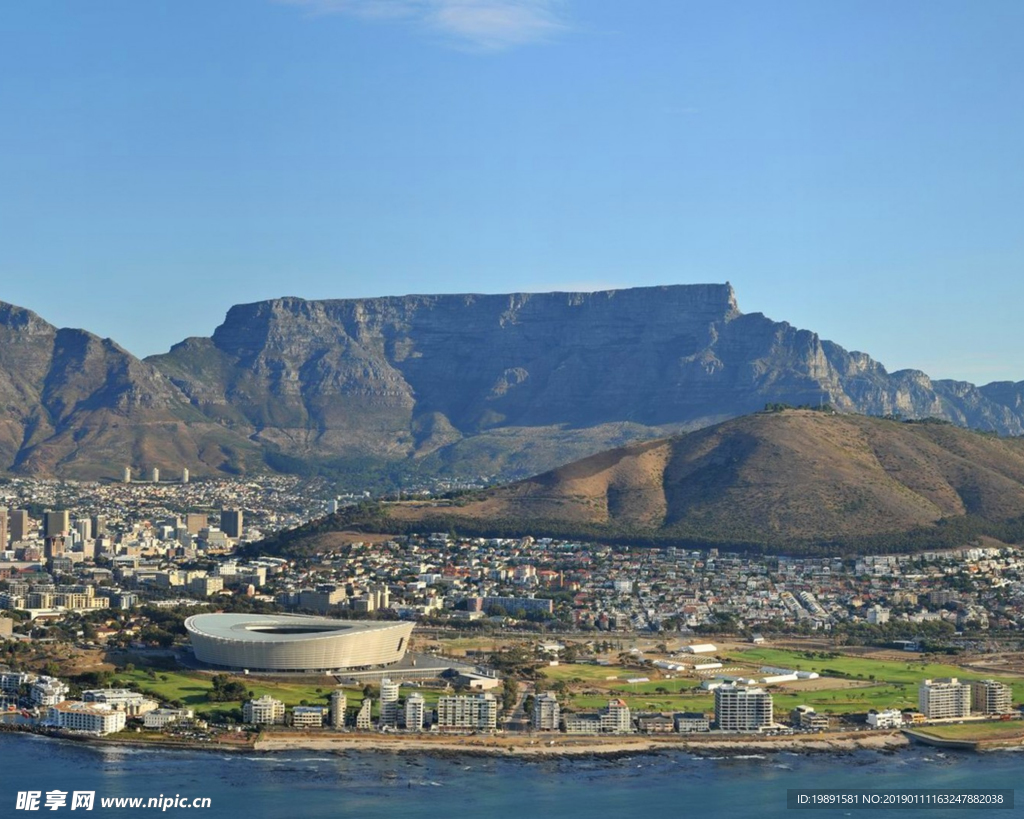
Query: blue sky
x=851, y=167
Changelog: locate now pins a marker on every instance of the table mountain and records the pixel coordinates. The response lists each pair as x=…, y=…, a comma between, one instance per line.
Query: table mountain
x=462, y=385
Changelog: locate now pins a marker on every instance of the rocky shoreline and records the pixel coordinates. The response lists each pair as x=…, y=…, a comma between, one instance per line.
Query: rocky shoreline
x=558, y=746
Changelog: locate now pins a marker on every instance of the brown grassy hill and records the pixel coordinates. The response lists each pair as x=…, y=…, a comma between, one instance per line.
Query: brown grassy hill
x=769, y=478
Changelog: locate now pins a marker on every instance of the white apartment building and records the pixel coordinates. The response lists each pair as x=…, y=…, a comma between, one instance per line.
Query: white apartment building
x=478, y=711
x=741, y=708
x=415, y=712
x=389, y=703
x=889, y=718
x=615, y=718
x=945, y=698
x=339, y=702
x=991, y=697
x=93, y=718
x=308, y=716
x=131, y=702
x=264, y=711
x=47, y=691
x=546, y=712
x=162, y=717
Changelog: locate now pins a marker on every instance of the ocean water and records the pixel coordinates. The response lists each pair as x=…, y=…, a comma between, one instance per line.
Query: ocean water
x=307, y=785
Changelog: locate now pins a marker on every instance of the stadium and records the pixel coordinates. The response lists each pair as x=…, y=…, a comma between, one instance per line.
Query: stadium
x=290, y=643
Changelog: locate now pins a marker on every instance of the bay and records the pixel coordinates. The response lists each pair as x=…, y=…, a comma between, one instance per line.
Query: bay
x=371, y=785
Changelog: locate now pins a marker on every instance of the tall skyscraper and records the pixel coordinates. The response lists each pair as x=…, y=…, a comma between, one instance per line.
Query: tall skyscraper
x=196, y=522
x=126, y=476
x=21, y=525
x=154, y=476
x=99, y=525
x=184, y=475
x=56, y=524
x=231, y=522
x=3, y=527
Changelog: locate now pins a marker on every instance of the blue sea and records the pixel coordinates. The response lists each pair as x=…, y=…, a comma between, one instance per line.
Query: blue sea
x=306, y=785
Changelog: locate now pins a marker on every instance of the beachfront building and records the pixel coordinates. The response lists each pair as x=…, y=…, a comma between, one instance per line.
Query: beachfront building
x=689, y=722
x=47, y=691
x=804, y=716
x=88, y=717
x=264, y=711
x=131, y=702
x=991, y=697
x=546, y=712
x=945, y=698
x=615, y=718
x=889, y=718
x=415, y=712
x=582, y=723
x=742, y=708
x=162, y=717
x=364, y=719
x=475, y=712
x=339, y=702
x=389, y=707
x=308, y=716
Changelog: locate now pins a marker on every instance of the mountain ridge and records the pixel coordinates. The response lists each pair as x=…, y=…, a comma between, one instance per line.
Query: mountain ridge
x=488, y=385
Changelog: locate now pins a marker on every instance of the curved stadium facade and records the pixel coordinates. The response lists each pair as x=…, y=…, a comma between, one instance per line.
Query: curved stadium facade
x=281, y=642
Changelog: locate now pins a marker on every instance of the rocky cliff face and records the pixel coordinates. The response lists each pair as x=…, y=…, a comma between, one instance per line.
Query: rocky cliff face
x=470, y=378
x=508, y=384
x=79, y=405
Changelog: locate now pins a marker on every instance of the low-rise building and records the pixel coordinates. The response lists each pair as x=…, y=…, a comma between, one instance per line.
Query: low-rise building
x=89, y=717
x=131, y=702
x=308, y=716
x=804, y=716
x=690, y=722
x=889, y=718
x=162, y=717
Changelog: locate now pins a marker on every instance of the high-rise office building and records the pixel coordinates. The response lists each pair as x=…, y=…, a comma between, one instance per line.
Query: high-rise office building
x=154, y=475
x=126, y=475
x=184, y=475
x=3, y=527
x=739, y=708
x=99, y=525
x=195, y=522
x=56, y=524
x=231, y=522
x=21, y=525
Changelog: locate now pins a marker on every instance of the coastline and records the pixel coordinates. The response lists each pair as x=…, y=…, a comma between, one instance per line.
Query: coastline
x=512, y=746
x=563, y=746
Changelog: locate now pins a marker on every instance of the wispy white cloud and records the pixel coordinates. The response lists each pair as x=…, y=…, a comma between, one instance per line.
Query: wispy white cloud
x=486, y=25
